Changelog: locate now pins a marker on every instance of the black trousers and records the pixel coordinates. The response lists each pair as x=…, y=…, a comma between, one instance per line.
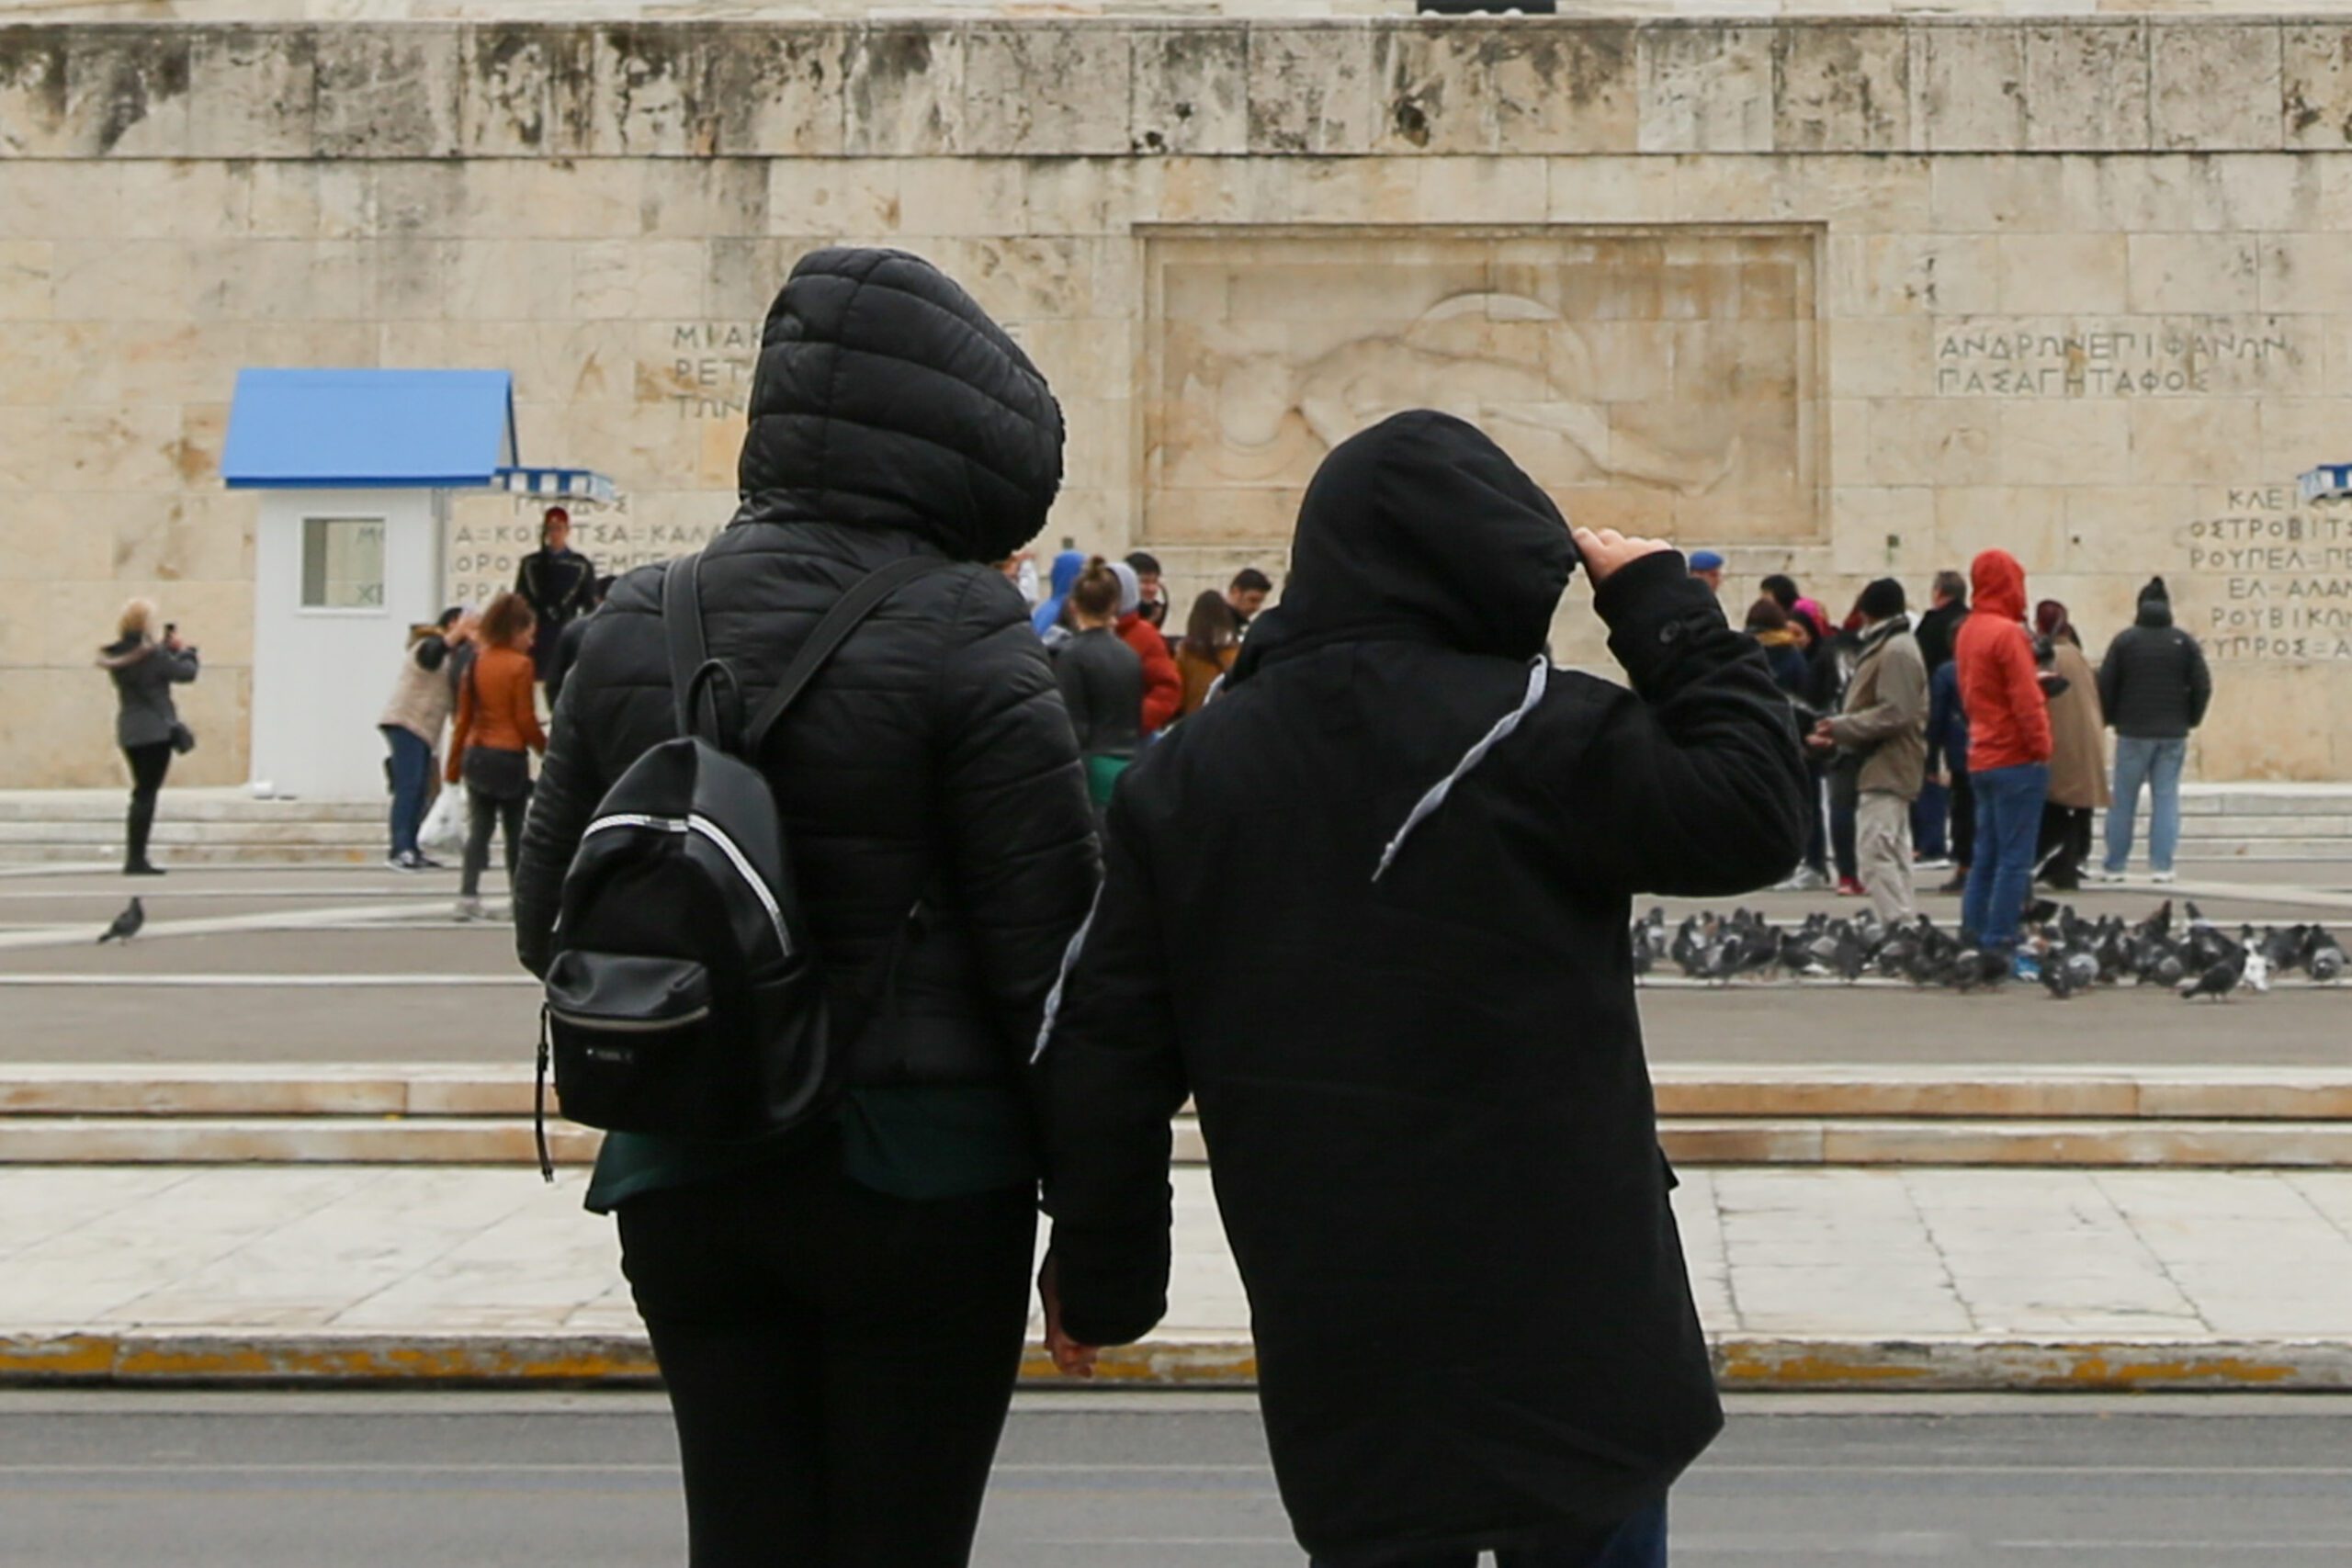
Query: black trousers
x=485, y=813
x=2065, y=846
x=1963, y=822
x=839, y=1361
x=149, y=767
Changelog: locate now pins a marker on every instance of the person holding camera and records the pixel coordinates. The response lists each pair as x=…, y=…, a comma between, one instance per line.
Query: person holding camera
x=147, y=723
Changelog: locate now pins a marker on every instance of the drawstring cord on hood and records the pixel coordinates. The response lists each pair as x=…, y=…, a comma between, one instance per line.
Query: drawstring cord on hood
x=1539, y=677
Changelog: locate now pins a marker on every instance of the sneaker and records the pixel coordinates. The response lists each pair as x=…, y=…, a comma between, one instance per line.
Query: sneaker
x=1804, y=880
x=2025, y=967
x=2161, y=878
x=1851, y=887
x=421, y=862
x=1958, y=884
x=469, y=909
x=1933, y=863
x=2103, y=874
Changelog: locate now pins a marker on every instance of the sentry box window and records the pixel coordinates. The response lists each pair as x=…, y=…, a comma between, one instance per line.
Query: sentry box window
x=343, y=563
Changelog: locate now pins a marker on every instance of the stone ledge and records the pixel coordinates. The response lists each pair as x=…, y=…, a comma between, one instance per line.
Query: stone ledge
x=1744, y=1362
x=1112, y=86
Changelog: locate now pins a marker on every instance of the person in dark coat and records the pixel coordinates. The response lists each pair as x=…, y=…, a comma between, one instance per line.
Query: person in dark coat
x=1783, y=646
x=1401, y=849
x=147, y=722
x=1933, y=818
x=1102, y=681
x=567, y=649
x=560, y=585
x=839, y=1313
x=1948, y=758
x=2153, y=687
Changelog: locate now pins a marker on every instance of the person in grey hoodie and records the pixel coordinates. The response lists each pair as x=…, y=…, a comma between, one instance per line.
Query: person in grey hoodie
x=147, y=725
x=2153, y=687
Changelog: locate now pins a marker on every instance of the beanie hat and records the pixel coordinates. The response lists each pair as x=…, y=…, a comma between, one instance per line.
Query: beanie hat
x=2156, y=590
x=1705, y=561
x=1881, y=599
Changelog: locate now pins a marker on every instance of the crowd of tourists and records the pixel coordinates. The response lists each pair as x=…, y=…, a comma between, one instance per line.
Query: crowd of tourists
x=1970, y=738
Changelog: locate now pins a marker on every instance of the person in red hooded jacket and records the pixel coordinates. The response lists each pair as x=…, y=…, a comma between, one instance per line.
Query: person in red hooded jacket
x=1163, y=688
x=2009, y=754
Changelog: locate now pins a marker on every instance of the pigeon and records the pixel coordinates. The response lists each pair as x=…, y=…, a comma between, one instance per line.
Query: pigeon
x=2068, y=975
x=2258, y=973
x=126, y=925
x=2218, y=981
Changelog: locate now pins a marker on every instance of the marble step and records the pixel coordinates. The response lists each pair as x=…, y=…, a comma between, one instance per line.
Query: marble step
x=434, y=1140
x=1710, y=1093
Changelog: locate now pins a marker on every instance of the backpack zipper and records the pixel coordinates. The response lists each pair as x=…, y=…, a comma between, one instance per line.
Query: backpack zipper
x=703, y=827
x=628, y=1025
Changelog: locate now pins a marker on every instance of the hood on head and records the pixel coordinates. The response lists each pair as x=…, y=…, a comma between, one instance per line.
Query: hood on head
x=1130, y=587
x=1422, y=529
x=885, y=398
x=1997, y=584
x=1066, y=565
x=2156, y=603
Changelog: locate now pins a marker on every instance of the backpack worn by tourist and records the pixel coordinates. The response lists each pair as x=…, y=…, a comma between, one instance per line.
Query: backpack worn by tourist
x=684, y=997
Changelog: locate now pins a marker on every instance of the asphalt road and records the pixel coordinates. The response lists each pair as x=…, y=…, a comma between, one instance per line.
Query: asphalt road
x=298, y=1480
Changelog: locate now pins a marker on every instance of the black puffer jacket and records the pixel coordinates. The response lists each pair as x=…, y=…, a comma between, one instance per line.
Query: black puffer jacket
x=2154, y=684
x=1422, y=1087
x=932, y=758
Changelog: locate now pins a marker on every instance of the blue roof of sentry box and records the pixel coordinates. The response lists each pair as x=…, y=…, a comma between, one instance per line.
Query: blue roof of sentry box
x=375, y=429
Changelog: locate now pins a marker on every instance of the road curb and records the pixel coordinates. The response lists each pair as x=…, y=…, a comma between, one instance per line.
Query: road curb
x=1744, y=1363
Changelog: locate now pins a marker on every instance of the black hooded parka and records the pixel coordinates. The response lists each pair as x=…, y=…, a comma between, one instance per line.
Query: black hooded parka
x=932, y=760
x=1370, y=908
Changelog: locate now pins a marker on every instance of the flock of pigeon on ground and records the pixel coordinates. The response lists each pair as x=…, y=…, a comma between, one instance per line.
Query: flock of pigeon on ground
x=2191, y=954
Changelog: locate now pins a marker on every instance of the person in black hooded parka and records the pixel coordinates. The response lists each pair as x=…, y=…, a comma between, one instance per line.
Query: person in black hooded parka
x=1401, y=850
x=839, y=1315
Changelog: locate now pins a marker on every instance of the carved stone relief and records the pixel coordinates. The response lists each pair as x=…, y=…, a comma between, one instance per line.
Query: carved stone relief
x=1652, y=379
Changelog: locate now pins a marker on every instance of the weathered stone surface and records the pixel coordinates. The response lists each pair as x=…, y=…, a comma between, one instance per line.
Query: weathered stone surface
x=1842, y=88
x=2086, y=86
x=253, y=94
x=1973, y=96
x=385, y=93
x=906, y=92
x=1311, y=90
x=2215, y=87
x=1706, y=89
x=1191, y=91
x=2315, y=63
x=1435, y=89
x=1567, y=91
x=527, y=91
x=1044, y=90
x=780, y=92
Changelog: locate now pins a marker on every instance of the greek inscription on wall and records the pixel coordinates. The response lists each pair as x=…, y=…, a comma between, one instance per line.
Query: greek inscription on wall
x=2270, y=578
x=706, y=373
x=490, y=535
x=2136, y=356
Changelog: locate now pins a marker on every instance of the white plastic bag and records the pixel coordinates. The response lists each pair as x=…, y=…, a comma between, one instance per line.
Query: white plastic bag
x=444, y=831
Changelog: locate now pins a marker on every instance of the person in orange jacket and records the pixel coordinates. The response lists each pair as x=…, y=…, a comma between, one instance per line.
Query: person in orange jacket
x=1163, y=689
x=2009, y=755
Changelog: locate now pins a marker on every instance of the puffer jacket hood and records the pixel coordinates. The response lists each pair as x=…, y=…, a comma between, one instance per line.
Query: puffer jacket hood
x=1998, y=582
x=885, y=398
x=1419, y=529
x=2155, y=611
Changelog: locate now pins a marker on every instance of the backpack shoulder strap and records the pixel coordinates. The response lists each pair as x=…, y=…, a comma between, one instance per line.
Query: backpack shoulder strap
x=832, y=632
x=682, y=627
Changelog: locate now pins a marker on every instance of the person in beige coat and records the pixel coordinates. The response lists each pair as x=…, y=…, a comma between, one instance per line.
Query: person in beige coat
x=1881, y=730
x=2078, y=786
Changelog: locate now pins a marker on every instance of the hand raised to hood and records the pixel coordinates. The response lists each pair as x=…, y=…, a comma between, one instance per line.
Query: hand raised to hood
x=1606, y=550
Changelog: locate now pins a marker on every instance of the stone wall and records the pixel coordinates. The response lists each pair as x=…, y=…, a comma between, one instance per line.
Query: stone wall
x=1846, y=299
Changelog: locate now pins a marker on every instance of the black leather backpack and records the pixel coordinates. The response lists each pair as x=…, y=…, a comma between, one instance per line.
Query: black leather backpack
x=684, y=997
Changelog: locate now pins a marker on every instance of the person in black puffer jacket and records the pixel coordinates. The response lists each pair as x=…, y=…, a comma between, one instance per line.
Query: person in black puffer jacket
x=839, y=1315
x=2154, y=686
x=1400, y=851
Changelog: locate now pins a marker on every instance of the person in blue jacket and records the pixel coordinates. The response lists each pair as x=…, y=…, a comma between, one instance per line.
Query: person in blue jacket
x=1048, y=615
